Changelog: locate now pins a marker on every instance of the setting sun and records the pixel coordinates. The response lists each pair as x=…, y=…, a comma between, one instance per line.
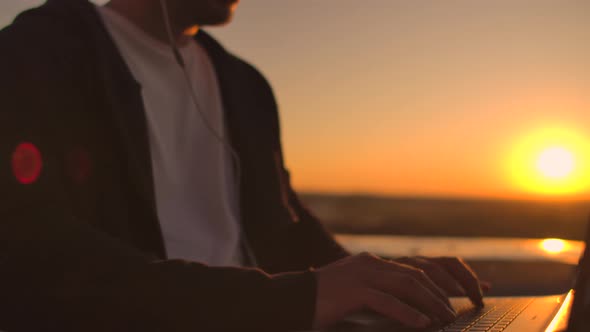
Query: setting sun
x=552, y=162
x=556, y=162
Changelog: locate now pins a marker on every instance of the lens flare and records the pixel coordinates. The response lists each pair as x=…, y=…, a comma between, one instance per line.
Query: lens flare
x=27, y=163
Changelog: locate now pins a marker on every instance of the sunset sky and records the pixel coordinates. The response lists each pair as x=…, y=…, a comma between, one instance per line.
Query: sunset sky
x=419, y=97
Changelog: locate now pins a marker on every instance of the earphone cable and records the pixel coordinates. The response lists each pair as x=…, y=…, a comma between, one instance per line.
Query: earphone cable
x=220, y=138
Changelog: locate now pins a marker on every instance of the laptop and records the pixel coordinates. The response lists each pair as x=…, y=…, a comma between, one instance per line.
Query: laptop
x=559, y=313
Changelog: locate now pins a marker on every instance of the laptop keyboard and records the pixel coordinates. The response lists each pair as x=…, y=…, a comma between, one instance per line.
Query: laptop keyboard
x=495, y=316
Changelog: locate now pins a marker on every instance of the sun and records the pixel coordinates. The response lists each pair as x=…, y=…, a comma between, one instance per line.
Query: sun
x=551, y=161
x=556, y=162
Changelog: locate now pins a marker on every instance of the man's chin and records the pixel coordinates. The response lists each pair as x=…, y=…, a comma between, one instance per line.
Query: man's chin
x=213, y=12
x=222, y=17
x=231, y=3
x=227, y=7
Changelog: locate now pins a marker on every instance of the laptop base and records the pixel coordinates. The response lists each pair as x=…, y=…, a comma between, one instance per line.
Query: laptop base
x=501, y=314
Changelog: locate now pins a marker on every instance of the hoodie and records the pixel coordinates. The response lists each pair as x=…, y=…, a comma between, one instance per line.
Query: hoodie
x=80, y=243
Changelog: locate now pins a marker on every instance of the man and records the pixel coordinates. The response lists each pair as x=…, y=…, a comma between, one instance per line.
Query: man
x=123, y=208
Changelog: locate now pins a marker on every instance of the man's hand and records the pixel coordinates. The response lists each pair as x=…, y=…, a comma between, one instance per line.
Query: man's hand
x=451, y=274
x=395, y=290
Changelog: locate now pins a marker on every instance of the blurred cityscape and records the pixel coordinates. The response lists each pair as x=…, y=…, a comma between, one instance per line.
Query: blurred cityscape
x=356, y=214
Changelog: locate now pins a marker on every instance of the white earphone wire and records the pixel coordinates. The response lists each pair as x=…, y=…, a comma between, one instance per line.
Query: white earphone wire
x=220, y=138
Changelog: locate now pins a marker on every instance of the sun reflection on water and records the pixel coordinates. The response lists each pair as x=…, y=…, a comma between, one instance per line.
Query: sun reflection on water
x=554, y=246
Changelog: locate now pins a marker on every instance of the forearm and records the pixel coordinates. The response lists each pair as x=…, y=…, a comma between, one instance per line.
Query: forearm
x=66, y=276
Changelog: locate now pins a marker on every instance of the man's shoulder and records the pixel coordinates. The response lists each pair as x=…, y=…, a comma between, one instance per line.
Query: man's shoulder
x=42, y=31
x=42, y=51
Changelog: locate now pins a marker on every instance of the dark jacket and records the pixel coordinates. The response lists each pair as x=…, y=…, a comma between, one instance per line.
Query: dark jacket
x=80, y=246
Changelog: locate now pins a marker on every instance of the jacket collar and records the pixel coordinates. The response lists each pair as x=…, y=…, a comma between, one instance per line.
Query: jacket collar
x=122, y=93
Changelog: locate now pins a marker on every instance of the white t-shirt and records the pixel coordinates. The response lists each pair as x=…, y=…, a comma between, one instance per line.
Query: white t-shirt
x=196, y=198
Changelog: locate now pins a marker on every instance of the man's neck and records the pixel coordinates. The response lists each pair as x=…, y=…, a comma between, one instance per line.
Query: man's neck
x=149, y=17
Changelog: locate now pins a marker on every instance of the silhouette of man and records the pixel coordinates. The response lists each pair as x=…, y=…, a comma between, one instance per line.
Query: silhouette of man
x=139, y=195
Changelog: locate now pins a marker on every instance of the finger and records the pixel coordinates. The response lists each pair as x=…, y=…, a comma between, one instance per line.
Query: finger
x=395, y=309
x=414, y=292
x=421, y=276
x=441, y=277
x=466, y=277
x=417, y=273
x=486, y=286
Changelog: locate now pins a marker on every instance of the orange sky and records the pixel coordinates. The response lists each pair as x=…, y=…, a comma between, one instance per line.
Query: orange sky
x=413, y=97
x=420, y=98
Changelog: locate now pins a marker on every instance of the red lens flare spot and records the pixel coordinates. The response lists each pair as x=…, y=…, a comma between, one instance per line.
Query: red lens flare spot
x=79, y=165
x=26, y=163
